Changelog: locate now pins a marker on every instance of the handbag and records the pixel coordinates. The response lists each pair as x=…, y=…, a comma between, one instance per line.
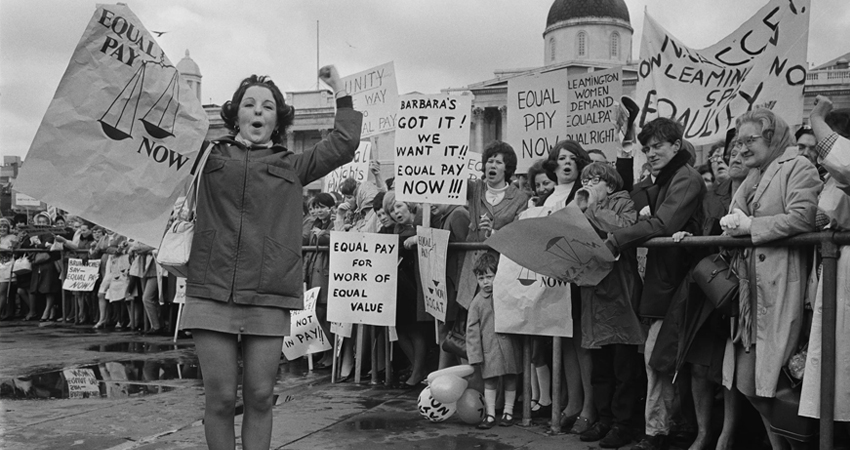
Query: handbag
x=783, y=417
x=176, y=246
x=720, y=285
x=22, y=266
x=455, y=342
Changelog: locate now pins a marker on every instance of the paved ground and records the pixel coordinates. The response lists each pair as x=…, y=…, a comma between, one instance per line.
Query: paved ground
x=150, y=397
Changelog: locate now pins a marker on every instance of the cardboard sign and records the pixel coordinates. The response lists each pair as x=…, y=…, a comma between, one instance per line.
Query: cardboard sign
x=762, y=63
x=431, y=144
x=342, y=329
x=592, y=102
x=362, y=287
x=122, y=132
x=537, y=108
x=180, y=291
x=306, y=335
x=474, y=165
x=82, y=383
x=375, y=94
x=357, y=169
x=525, y=302
x=81, y=277
x=433, y=244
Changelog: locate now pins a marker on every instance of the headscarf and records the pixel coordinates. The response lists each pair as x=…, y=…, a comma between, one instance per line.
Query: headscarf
x=42, y=214
x=781, y=139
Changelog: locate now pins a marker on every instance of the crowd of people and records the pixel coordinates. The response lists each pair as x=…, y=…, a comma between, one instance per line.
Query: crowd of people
x=634, y=371
x=765, y=181
x=131, y=292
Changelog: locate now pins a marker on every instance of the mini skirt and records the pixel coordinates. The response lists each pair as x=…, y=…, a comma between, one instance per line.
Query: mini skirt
x=232, y=318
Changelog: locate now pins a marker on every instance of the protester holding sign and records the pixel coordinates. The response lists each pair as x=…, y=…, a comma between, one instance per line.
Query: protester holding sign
x=7, y=243
x=316, y=264
x=245, y=271
x=456, y=220
x=45, y=277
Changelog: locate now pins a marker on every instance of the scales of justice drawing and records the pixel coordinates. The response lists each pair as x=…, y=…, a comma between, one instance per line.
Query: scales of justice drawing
x=159, y=119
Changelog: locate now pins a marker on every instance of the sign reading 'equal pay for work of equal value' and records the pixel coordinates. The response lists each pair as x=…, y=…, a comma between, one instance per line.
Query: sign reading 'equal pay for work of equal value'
x=362, y=287
x=431, y=142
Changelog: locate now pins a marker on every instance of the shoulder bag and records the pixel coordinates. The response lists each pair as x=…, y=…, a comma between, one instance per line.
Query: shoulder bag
x=176, y=245
x=716, y=279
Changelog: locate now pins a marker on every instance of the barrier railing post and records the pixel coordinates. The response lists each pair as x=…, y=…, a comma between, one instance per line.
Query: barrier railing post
x=557, y=368
x=373, y=345
x=388, y=358
x=829, y=253
x=526, y=381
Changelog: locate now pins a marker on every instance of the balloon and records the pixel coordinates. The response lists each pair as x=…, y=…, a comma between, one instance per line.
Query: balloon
x=470, y=407
x=448, y=388
x=461, y=371
x=432, y=409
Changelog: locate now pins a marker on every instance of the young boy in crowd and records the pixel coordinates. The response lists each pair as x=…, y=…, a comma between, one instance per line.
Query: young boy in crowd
x=497, y=355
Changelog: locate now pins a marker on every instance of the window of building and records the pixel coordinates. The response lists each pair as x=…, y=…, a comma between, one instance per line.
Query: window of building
x=552, y=49
x=581, y=39
x=615, y=45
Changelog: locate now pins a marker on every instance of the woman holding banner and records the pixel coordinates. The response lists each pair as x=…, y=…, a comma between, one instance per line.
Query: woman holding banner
x=245, y=268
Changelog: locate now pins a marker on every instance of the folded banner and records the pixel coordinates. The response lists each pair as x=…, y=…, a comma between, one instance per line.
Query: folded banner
x=563, y=246
x=306, y=335
x=762, y=63
x=433, y=244
x=526, y=302
x=121, y=134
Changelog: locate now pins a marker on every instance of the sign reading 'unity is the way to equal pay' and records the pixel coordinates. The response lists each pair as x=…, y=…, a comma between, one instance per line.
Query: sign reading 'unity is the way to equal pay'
x=375, y=94
x=537, y=115
x=357, y=169
x=761, y=64
x=593, y=99
x=362, y=286
x=431, y=144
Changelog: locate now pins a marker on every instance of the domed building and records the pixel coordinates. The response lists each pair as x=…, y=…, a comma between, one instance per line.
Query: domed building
x=580, y=36
x=588, y=30
x=191, y=73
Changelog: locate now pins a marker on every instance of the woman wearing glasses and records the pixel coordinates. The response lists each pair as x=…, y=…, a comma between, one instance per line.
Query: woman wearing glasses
x=778, y=199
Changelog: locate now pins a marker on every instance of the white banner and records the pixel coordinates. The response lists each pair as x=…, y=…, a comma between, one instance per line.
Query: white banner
x=121, y=135
x=81, y=277
x=433, y=244
x=762, y=63
x=537, y=112
x=431, y=143
x=375, y=94
x=357, y=169
x=306, y=335
x=362, y=287
x=592, y=102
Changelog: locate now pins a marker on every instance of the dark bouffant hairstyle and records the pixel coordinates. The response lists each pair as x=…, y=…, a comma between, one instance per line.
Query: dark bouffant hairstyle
x=537, y=169
x=285, y=113
x=487, y=261
x=324, y=199
x=508, y=156
x=662, y=129
x=378, y=201
x=551, y=164
x=348, y=186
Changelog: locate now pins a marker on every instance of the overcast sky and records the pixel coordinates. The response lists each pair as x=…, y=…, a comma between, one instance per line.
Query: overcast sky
x=435, y=44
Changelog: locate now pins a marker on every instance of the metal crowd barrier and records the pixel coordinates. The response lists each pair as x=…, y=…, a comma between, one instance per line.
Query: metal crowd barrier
x=828, y=241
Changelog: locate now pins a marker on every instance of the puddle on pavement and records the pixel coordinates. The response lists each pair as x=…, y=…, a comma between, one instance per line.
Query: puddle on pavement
x=383, y=423
x=462, y=442
x=110, y=380
x=138, y=347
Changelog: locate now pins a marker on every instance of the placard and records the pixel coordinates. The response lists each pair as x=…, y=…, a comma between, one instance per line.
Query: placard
x=431, y=143
x=433, y=244
x=375, y=94
x=306, y=335
x=593, y=99
x=121, y=135
x=537, y=115
x=362, y=287
x=762, y=63
x=180, y=291
x=82, y=383
x=81, y=277
x=474, y=165
x=357, y=169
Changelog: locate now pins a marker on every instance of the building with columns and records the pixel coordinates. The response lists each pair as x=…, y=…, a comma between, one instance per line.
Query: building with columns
x=579, y=36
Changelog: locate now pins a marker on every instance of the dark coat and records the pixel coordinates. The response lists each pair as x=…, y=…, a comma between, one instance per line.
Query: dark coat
x=675, y=203
x=456, y=221
x=317, y=264
x=247, y=242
